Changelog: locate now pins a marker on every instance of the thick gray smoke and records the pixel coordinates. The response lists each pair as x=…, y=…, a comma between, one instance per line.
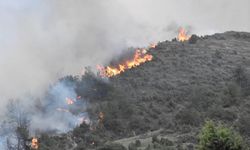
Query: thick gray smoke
x=46, y=39
x=43, y=40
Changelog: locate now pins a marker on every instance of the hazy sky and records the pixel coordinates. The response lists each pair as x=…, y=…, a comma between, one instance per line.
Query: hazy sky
x=41, y=40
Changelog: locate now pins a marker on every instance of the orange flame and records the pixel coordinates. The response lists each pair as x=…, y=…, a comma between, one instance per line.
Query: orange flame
x=69, y=101
x=140, y=57
x=34, y=143
x=182, y=36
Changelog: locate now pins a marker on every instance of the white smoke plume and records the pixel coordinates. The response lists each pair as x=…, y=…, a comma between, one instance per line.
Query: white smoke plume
x=43, y=40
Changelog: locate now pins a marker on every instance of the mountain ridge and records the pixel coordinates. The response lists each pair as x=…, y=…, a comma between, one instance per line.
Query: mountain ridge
x=186, y=83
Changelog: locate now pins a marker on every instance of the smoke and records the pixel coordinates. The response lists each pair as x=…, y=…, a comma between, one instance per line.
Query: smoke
x=43, y=40
x=58, y=111
x=54, y=113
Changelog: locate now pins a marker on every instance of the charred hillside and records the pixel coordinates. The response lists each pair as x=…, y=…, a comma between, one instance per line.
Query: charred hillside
x=170, y=97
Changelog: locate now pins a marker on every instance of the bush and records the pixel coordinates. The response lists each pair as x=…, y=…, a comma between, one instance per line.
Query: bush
x=91, y=86
x=113, y=146
x=241, y=76
x=218, y=54
x=166, y=142
x=219, y=137
x=219, y=113
x=233, y=90
x=138, y=125
x=155, y=139
x=193, y=39
x=61, y=142
x=201, y=97
x=188, y=117
x=115, y=125
x=132, y=146
x=232, y=95
x=244, y=124
x=137, y=143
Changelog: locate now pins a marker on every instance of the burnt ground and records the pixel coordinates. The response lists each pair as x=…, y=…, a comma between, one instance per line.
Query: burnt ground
x=185, y=84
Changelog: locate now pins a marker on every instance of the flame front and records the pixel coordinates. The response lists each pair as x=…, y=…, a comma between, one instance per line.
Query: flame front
x=140, y=57
x=182, y=36
x=34, y=143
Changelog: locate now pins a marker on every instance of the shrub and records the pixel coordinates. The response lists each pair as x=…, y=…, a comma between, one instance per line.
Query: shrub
x=137, y=143
x=201, y=97
x=241, y=76
x=218, y=54
x=188, y=117
x=113, y=146
x=155, y=139
x=81, y=130
x=244, y=124
x=166, y=142
x=132, y=146
x=232, y=95
x=91, y=86
x=219, y=137
x=219, y=113
x=193, y=39
x=137, y=124
x=233, y=90
x=47, y=142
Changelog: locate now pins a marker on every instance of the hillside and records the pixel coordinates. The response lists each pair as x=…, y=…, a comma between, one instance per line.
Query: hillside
x=171, y=96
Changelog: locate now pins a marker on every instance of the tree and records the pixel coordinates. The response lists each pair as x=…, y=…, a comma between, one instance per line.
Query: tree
x=219, y=137
x=18, y=125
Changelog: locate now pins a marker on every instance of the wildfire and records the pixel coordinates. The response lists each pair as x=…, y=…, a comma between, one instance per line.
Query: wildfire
x=34, y=143
x=182, y=36
x=140, y=56
x=69, y=101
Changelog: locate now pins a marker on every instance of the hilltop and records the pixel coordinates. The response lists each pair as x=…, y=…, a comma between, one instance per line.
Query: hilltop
x=170, y=97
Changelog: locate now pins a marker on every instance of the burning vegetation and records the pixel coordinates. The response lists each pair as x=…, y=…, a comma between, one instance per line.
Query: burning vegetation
x=117, y=114
x=69, y=101
x=139, y=57
x=34, y=143
x=182, y=36
x=67, y=98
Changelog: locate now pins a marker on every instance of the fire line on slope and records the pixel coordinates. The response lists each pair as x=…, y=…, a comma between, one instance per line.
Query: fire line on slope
x=140, y=56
